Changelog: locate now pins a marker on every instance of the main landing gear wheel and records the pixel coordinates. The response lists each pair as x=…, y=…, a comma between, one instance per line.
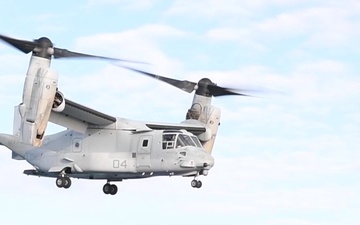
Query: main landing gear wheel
x=196, y=183
x=110, y=189
x=63, y=182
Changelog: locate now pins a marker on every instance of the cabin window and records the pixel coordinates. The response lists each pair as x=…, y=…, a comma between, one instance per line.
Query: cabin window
x=145, y=143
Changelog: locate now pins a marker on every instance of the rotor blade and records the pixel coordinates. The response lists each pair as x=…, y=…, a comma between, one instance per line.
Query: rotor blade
x=22, y=45
x=217, y=91
x=184, y=85
x=64, y=53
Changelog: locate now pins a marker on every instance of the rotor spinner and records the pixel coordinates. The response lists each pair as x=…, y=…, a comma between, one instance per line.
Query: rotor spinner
x=44, y=48
x=203, y=87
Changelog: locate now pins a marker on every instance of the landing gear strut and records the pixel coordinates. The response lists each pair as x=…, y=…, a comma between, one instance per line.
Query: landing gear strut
x=196, y=183
x=63, y=182
x=110, y=189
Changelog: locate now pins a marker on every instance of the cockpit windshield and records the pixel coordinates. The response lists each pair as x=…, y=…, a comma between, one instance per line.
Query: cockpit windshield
x=178, y=140
x=196, y=141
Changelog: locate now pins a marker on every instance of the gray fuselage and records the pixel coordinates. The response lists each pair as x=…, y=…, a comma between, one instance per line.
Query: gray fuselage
x=119, y=154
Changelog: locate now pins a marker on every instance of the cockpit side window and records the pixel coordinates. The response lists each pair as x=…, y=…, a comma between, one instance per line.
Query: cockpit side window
x=168, y=141
x=171, y=141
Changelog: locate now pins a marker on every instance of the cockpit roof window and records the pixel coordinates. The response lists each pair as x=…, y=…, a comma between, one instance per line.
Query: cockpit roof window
x=172, y=131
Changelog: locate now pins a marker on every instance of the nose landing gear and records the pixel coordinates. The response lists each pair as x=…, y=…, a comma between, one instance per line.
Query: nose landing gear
x=195, y=183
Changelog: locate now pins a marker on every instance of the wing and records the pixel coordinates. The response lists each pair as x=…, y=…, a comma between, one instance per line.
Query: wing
x=78, y=117
x=192, y=126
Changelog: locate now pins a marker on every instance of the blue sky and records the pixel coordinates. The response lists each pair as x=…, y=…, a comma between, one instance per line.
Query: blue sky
x=288, y=158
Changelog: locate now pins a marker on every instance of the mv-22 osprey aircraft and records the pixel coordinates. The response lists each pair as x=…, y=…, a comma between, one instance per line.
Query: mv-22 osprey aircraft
x=99, y=146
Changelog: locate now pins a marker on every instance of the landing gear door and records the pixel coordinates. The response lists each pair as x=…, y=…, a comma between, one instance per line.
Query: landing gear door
x=143, y=151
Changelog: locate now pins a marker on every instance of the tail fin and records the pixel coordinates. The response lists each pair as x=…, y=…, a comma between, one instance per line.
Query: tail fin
x=12, y=142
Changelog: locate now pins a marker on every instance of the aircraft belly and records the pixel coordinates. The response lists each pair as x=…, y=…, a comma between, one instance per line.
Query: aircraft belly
x=118, y=176
x=111, y=176
x=42, y=159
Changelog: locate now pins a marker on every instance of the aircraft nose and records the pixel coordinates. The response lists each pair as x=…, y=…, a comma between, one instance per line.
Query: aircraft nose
x=207, y=165
x=209, y=162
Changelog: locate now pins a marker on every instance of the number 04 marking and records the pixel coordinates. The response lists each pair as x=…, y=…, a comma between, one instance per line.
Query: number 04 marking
x=123, y=164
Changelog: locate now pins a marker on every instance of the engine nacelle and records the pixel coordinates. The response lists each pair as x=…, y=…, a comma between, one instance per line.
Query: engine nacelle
x=209, y=116
x=39, y=93
x=59, y=102
x=206, y=136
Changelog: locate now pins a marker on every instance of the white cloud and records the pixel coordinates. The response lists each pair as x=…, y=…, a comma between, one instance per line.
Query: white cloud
x=125, y=4
x=140, y=44
x=211, y=8
x=296, y=222
x=227, y=34
x=227, y=8
x=308, y=83
x=325, y=25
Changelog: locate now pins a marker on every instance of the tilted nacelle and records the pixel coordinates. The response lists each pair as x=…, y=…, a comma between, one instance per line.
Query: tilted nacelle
x=40, y=96
x=208, y=115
